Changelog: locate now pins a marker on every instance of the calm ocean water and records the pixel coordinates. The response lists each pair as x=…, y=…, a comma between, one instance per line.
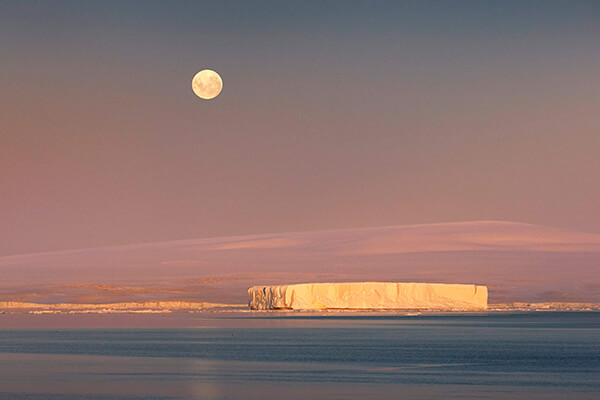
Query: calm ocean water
x=502, y=356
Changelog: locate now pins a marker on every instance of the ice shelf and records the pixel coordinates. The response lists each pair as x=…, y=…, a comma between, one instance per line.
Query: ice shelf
x=368, y=295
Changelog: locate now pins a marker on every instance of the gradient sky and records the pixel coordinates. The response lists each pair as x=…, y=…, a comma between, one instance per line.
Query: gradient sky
x=333, y=115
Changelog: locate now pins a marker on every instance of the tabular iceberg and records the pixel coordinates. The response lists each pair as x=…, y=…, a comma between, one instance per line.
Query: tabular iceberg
x=368, y=295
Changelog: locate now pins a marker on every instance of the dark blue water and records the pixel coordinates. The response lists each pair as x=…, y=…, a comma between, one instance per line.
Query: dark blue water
x=532, y=355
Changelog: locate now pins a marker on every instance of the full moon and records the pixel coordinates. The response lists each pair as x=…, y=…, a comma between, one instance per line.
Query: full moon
x=207, y=84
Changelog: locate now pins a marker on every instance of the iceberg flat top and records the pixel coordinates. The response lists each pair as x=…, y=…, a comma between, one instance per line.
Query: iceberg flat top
x=368, y=295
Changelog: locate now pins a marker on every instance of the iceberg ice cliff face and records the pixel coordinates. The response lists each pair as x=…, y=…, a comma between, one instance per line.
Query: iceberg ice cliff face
x=368, y=295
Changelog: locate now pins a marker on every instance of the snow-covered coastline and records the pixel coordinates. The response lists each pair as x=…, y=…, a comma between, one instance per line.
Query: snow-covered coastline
x=168, y=307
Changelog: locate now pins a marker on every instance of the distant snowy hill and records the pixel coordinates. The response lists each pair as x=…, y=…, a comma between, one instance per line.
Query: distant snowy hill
x=518, y=262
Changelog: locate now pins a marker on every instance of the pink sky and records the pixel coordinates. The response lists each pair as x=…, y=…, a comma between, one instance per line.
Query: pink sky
x=330, y=117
